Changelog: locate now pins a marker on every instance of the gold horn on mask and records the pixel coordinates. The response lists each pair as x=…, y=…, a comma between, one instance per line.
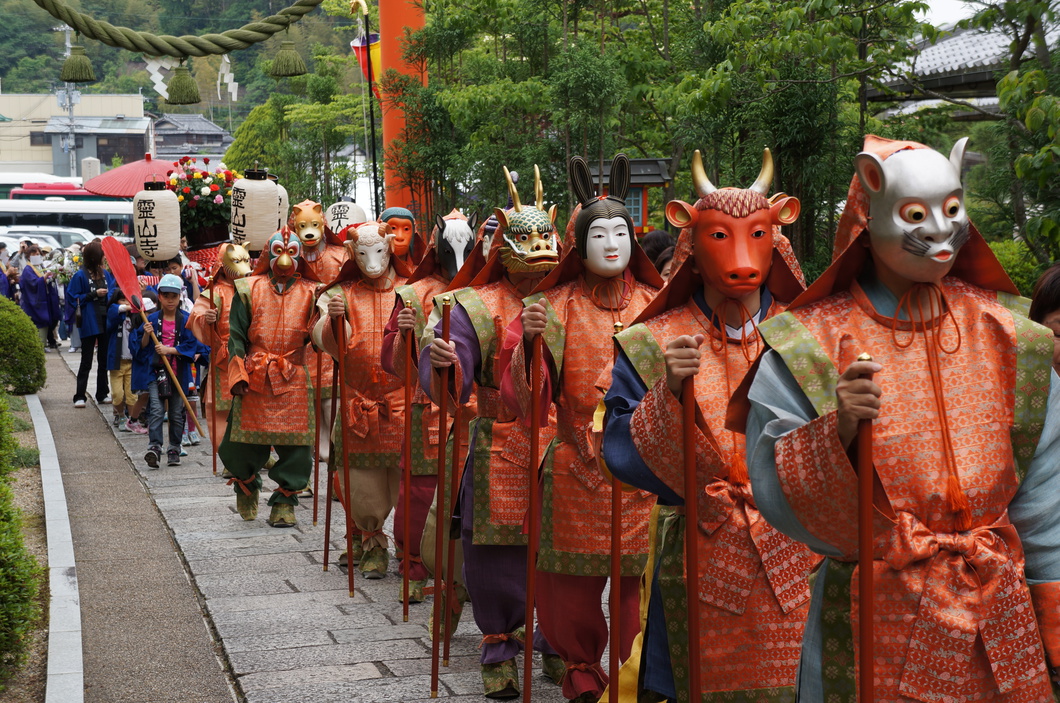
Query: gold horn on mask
x=539, y=191
x=699, y=176
x=765, y=176
x=512, y=191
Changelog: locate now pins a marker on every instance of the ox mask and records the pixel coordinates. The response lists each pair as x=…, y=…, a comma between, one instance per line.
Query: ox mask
x=454, y=240
x=732, y=240
x=603, y=230
x=402, y=225
x=530, y=243
x=369, y=245
x=917, y=220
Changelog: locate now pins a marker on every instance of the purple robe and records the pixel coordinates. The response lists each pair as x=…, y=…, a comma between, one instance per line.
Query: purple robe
x=40, y=298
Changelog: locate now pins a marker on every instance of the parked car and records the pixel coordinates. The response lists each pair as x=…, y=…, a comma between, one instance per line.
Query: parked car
x=49, y=235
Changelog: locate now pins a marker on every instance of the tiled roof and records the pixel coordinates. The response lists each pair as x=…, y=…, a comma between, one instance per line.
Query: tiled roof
x=968, y=50
x=196, y=124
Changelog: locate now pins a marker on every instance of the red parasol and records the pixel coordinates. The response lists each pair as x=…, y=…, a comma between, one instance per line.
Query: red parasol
x=127, y=180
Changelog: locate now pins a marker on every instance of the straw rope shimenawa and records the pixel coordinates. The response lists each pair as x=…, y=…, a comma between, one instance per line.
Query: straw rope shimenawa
x=178, y=47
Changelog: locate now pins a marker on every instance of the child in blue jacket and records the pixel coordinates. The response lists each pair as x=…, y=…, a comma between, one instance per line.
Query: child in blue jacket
x=119, y=359
x=179, y=346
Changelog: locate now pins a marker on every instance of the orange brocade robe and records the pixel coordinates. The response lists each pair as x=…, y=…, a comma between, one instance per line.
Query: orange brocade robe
x=753, y=581
x=266, y=346
x=954, y=617
x=576, y=498
x=500, y=457
x=375, y=405
x=325, y=269
x=215, y=336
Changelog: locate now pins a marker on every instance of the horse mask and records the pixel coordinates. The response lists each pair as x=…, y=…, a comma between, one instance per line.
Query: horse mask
x=454, y=239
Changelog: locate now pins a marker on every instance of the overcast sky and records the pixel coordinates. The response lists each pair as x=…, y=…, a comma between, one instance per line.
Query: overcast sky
x=947, y=11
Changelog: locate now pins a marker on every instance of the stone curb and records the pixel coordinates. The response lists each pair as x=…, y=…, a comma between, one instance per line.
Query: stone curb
x=66, y=672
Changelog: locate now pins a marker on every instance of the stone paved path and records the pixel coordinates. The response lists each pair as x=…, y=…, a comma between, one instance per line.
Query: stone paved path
x=289, y=630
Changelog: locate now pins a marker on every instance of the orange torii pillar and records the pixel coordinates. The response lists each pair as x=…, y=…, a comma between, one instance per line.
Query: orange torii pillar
x=394, y=17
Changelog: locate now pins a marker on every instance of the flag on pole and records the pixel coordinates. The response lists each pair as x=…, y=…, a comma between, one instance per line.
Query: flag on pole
x=358, y=46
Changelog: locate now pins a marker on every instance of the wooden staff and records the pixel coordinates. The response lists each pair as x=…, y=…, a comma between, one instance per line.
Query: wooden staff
x=866, y=587
x=331, y=469
x=535, y=513
x=440, y=512
x=318, y=411
x=688, y=427
x=340, y=323
x=407, y=471
x=616, y=578
x=138, y=303
x=211, y=390
x=450, y=556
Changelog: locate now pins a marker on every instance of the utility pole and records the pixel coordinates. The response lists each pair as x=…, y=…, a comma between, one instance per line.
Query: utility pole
x=67, y=98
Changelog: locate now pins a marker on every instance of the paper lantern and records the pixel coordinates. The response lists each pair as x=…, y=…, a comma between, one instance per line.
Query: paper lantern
x=254, y=200
x=156, y=222
x=342, y=214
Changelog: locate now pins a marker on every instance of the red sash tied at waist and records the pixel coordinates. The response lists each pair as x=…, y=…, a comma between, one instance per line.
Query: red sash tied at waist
x=728, y=513
x=972, y=586
x=278, y=369
x=365, y=412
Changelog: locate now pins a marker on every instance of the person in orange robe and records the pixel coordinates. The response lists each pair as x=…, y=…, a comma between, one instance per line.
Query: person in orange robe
x=271, y=404
x=208, y=321
x=452, y=245
x=605, y=278
x=362, y=297
x=494, y=488
x=324, y=255
x=730, y=273
x=965, y=414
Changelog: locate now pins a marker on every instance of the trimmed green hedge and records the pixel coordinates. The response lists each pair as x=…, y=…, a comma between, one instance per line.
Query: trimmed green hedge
x=20, y=575
x=1018, y=263
x=21, y=353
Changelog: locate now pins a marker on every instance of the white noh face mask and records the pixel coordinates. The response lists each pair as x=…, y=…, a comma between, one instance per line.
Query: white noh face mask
x=608, y=247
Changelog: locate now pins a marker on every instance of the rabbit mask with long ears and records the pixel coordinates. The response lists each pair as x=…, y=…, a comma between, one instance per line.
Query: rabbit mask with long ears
x=603, y=230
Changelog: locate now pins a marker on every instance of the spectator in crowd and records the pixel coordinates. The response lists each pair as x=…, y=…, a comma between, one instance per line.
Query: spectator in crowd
x=178, y=345
x=40, y=294
x=21, y=257
x=89, y=291
x=662, y=262
x=1045, y=307
x=119, y=359
x=654, y=242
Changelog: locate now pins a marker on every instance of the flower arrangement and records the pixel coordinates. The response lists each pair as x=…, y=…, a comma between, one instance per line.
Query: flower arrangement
x=69, y=265
x=205, y=195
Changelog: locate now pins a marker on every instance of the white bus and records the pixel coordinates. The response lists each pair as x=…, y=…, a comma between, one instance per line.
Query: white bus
x=93, y=215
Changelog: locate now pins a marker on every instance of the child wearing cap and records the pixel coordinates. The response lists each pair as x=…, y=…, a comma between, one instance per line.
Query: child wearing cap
x=178, y=345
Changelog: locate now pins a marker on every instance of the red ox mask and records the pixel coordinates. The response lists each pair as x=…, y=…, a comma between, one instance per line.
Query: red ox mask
x=732, y=229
